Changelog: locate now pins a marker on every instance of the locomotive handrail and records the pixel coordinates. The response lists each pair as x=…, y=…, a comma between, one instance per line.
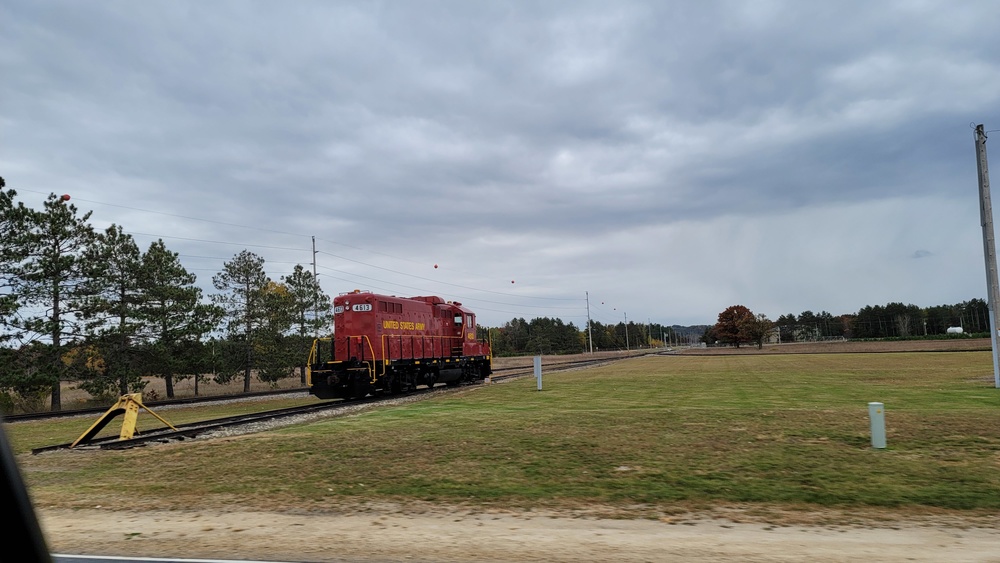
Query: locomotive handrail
x=313, y=357
x=314, y=351
x=362, y=339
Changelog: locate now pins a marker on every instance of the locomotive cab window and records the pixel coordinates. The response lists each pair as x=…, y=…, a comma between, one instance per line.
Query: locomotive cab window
x=458, y=319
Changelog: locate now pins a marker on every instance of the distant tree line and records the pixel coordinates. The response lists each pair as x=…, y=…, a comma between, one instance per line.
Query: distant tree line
x=893, y=320
x=81, y=305
x=543, y=335
x=738, y=325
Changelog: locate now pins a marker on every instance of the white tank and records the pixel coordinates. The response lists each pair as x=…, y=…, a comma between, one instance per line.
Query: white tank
x=954, y=330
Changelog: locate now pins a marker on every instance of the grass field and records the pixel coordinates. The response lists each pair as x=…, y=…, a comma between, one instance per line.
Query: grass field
x=654, y=431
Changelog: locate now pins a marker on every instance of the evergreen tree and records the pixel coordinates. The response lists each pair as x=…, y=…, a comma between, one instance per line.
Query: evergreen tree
x=311, y=311
x=174, y=317
x=808, y=326
x=786, y=325
x=242, y=282
x=275, y=358
x=12, y=220
x=111, y=308
x=51, y=280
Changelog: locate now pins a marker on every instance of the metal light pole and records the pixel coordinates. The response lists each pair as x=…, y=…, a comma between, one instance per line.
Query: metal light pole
x=590, y=332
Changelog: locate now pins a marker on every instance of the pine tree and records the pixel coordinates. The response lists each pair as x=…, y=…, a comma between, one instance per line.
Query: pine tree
x=111, y=308
x=51, y=280
x=173, y=315
x=242, y=282
x=12, y=221
x=310, y=309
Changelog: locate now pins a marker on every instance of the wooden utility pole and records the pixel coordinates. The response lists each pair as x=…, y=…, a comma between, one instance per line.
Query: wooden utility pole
x=989, y=245
x=315, y=291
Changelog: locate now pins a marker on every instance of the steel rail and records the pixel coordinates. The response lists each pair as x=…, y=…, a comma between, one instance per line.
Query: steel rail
x=166, y=402
x=519, y=371
x=192, y=429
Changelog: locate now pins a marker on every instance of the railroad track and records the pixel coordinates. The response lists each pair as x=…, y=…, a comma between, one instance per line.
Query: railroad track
x=500, y=374
x=152, y=404
x=194, y=429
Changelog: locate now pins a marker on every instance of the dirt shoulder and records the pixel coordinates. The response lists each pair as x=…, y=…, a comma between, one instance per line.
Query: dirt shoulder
x=387, y=534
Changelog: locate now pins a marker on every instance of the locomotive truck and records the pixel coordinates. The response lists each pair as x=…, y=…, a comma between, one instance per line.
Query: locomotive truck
x=384, y=344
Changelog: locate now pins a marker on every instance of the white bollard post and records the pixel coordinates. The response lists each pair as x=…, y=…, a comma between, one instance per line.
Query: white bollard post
x=876, y=412
x=538, y=371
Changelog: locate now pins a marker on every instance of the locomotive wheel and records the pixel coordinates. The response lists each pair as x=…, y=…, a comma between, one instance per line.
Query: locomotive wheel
x=395, y=385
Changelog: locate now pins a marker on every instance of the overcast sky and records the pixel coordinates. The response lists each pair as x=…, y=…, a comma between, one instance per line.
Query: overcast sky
x=669, y=158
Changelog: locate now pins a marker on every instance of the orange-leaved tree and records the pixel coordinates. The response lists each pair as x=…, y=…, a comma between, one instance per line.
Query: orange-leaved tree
x=735, y=325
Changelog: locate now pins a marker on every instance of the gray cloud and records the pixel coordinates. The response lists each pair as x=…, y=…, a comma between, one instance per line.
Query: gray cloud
x=637, y=151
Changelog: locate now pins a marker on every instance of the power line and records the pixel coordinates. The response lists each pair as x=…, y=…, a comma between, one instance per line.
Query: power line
x=447, y=283
x=219, y=242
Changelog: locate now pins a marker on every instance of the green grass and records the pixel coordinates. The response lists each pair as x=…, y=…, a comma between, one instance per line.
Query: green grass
x=790, y=429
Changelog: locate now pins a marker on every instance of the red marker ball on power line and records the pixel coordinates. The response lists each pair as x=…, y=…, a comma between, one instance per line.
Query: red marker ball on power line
x=65, y=197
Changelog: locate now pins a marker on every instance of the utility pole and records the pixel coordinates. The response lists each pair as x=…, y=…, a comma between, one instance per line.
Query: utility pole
x=315, y=292
x=989, y=245
x=590, y=332
x=627, y=347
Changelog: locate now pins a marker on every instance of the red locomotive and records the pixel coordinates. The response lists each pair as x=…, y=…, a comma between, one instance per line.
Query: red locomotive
x=386, y=345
